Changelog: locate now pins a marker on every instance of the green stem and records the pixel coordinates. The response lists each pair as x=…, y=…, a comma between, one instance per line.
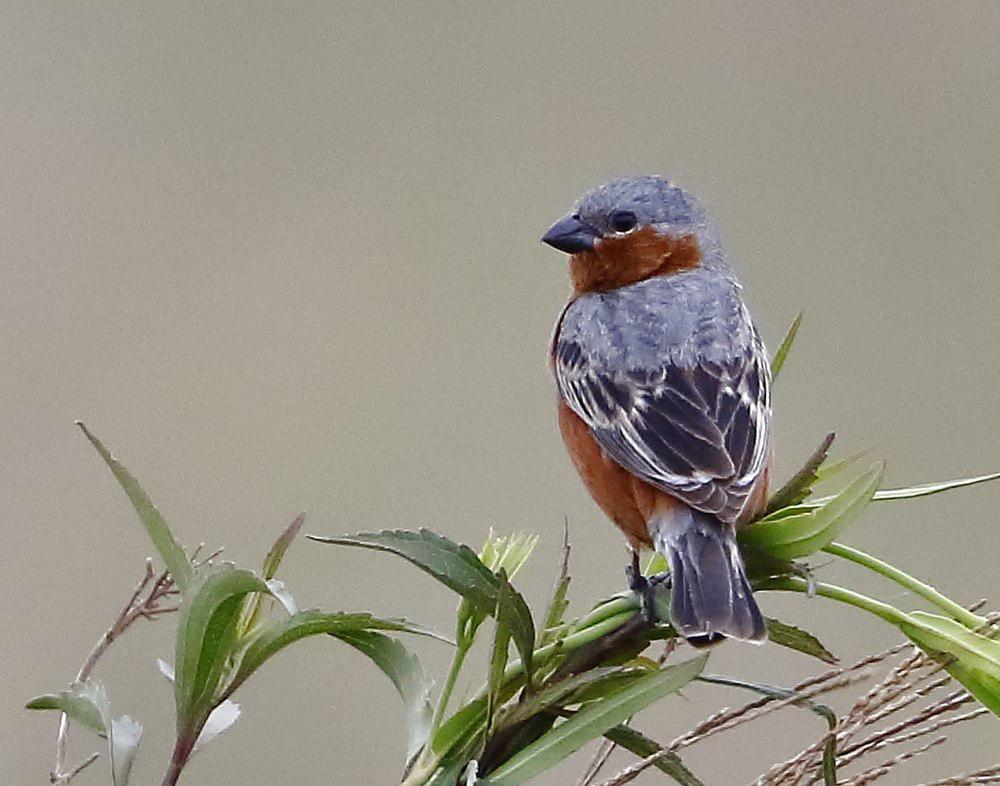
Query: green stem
x=608, y=609
x=429, y=762
x=795, y=584
x=925, y=591
x=449, y=684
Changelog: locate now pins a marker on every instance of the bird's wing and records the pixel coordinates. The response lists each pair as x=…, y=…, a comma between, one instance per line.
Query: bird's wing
x=690, y=416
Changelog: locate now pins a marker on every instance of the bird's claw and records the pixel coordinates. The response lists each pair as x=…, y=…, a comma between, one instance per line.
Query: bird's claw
x=645, y=587
x=812, y=583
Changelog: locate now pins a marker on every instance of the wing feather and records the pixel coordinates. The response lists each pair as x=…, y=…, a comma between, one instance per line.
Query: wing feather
x=693, y=425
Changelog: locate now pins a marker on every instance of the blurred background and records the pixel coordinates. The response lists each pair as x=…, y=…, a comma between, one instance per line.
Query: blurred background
x=284, y=257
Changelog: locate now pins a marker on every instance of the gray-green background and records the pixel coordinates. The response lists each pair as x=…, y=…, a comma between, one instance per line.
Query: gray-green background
x=285, y=256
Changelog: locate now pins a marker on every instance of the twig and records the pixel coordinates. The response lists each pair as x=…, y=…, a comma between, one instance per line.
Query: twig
x=145, y=602
x=728, y=719
x=884, y=736
x=869, y=776
x=989, y=775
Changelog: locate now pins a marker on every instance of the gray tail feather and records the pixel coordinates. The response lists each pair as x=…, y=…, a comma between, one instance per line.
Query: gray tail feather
x=710, y=597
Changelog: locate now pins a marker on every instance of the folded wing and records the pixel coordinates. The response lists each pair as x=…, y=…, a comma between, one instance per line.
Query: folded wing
x=692, y=423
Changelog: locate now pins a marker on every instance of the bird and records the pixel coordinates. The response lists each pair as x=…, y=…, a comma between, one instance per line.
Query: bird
x=664, y=404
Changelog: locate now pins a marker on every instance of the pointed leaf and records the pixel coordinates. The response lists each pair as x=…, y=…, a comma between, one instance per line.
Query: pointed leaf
x=554, y=614
x=778, y=361
x=554, y=695
x=509, y=551
x=454, y=565
x=976, y=663
x=254, y=608
x=499, y=653
x=798, y=639
x=220, y=719
x=170, y=551
x=802, y=530
x=460, y=726
x=404, y=669
x=85, y=703
x=206, y=636
x=126, y=734
x=831, y=469
x=925, y=490
x=800, y=485
x=278, y=634
x=514, y=612
x=642, y=746
x=592, y=721
x=608, y=685
x=277, y=552
x=447, y=774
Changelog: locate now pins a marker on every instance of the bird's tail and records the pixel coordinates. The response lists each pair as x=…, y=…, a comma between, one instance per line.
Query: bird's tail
x=710, y=594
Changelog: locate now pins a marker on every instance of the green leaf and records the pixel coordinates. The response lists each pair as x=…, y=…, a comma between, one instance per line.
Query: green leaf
x=454, y=565
x=607, y=685
x=657, y=564
x=927, y=489
x=972, y=658
x=222, y=717
x=801, y=530
x=555, y=613
x=499, y=654
x=447, y=774
x=593, y=721
x=778, y=361
x=555, y=695
x=509, y=552
x=206, y=635
x=831, y=469
x=404, y=669
x=255, y=607
x=460, y=726
x=277, y=551
x=84, y=703
x=642, y=746
x=514, y=612
x=278, y=634
x=170, y=551
x=87, y=704
x=798, y=639
x=801, y=483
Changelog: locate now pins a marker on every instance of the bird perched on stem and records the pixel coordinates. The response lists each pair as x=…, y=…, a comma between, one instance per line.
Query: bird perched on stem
x=664, y=400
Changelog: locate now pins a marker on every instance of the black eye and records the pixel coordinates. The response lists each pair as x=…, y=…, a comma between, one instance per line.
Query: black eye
x=623, y=221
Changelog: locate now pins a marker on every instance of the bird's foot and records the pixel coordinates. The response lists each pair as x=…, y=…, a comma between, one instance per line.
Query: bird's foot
x=801, y=569
x=646, y=587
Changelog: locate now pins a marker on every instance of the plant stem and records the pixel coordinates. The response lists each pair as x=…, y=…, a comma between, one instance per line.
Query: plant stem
x=570, y=644
x=429, y=762
x=927, y=592
x=795, y=584
x=449, y=684
x=182, y=752
x=610, y=608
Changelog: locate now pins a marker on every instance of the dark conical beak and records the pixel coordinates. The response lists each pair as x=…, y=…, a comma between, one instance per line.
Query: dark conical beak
x=571, y=235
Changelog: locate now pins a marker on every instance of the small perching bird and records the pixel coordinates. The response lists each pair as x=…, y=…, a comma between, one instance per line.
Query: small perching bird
x=664, y=400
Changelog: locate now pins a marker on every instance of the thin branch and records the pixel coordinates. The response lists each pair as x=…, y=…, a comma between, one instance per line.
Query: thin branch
x=989, y=775
x=145, y=602
x=869, y=776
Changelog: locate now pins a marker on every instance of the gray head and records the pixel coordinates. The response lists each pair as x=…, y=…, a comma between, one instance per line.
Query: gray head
x=620, y=207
